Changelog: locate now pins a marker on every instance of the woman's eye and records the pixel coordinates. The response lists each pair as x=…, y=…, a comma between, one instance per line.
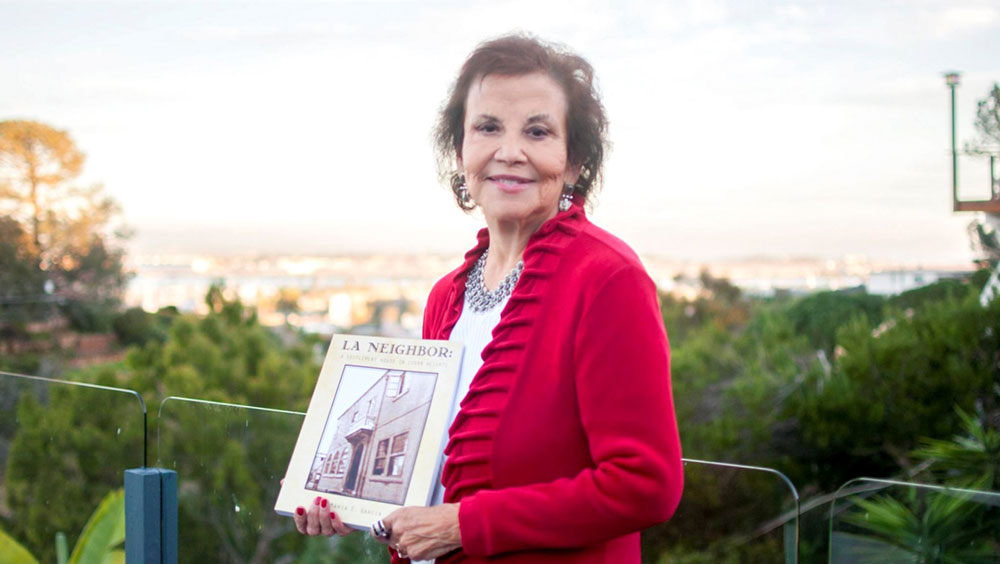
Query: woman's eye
x=488, y=128
x=538, y=132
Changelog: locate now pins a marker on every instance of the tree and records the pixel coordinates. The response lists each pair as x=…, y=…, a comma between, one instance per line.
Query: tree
x=38, y=161
x=21, y=280
x=895, y=384
x=71, y=447
x=135, y=326
x=67, y=448
x=987, y=124
x=734, y=361
x=288, y=301
x=819, y=316
x=68, y=229
x=19, y=275
x=760, y=392
x=984, y=243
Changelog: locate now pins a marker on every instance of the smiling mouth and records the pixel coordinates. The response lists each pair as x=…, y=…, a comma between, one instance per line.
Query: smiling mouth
x=506, y=181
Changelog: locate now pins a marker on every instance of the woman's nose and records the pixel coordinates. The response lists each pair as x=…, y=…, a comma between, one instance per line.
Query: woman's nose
x=509, y=150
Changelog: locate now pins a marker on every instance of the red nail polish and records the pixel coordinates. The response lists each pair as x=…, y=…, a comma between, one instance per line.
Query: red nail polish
x=300, y=510
x=333, y=515
x=323, y=504
x=316, y=501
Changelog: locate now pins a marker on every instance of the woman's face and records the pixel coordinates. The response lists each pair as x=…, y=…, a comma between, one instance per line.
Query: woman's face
x=514, y=148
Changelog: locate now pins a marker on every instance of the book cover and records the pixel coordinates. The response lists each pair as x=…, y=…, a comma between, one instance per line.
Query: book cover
x=376, y=424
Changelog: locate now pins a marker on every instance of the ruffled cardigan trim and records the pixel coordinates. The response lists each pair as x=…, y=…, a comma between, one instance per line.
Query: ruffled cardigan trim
x=468, y=468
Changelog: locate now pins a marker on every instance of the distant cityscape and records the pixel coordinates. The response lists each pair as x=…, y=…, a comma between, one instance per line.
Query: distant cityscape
x=385, y=294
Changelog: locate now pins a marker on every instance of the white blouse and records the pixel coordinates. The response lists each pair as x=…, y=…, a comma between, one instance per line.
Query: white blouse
x=474, y=329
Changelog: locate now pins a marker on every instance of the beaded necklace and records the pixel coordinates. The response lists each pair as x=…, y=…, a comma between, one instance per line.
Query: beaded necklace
x=481, y=299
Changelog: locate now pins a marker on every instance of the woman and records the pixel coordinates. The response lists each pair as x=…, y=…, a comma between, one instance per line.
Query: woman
x=565, y=445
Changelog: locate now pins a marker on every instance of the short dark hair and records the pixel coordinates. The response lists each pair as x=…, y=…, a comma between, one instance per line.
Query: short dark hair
x=516, y=55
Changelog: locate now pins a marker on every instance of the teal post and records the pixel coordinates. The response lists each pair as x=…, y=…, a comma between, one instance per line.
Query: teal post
x=150, y=516
x=954, y=149
x=994, y=181
x=952, y=79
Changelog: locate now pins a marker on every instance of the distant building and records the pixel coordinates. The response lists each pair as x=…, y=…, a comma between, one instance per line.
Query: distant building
x=892, y=282
x=374, y=448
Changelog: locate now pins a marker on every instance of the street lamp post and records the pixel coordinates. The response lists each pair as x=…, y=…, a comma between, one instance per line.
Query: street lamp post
x=951, y=78
x=990, y=220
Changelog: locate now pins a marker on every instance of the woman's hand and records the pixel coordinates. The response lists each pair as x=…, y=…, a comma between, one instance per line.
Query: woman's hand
x=317, y=519
x=423, y=533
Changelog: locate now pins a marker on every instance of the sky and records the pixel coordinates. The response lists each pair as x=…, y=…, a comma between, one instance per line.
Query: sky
x=739, y=128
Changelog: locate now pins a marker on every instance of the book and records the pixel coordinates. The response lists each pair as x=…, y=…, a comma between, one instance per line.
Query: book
x=377, y=422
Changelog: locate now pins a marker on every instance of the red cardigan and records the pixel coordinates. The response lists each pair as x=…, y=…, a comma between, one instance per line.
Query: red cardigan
x=566, y=444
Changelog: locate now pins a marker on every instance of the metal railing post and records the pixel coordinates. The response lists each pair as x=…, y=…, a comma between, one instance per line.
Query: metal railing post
x=150, y=516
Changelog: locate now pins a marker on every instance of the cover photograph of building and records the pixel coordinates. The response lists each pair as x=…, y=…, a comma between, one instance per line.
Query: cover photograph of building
x=372, y=434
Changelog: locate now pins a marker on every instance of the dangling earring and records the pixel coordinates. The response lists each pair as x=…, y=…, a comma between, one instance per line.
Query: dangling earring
x=464, y=198
x=566, y=198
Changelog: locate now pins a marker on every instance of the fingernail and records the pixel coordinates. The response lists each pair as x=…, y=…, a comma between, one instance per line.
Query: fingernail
x=300, y=510
x=333, y=515
x=316, y=502
x=323, y=504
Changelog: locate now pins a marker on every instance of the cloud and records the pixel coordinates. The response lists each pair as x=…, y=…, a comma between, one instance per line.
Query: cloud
x=759, y=114
x=949, y=21
x=264, y=33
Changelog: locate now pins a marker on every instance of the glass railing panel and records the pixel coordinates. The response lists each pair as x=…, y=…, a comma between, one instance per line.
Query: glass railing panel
x=230, y=458
x=64, y=449
x=728, y=513
x=229, y=461
x=887, y=521
x=814, y=528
